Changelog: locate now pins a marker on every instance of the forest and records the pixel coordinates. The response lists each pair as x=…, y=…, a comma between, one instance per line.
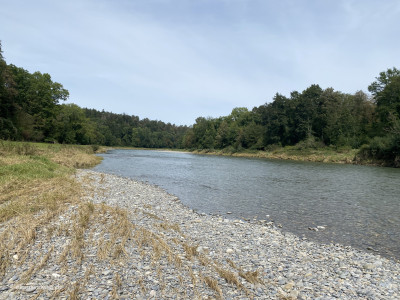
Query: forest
x=31, y=109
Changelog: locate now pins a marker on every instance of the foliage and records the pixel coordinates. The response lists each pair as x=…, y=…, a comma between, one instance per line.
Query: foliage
x=385, y=148
x=30, y=110
x=312, y=118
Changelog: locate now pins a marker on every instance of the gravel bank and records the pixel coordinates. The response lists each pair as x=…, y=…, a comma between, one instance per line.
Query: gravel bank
x=166, y=251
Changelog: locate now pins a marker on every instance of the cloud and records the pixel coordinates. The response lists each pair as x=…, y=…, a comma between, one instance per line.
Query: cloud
x=175, y=60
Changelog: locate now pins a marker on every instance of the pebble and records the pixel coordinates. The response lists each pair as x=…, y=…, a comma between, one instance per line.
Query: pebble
x=285, y=266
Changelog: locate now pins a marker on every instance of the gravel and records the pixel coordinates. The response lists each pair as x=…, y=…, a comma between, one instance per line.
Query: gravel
x=181, y=254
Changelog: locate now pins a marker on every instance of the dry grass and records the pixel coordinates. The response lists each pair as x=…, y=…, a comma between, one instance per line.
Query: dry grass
x=36, y=188
x=252, y=277
x=170, y=226
x=190, y=251
x=213, y=284
x=74, y=293
x=229, y=276
x=327, y=154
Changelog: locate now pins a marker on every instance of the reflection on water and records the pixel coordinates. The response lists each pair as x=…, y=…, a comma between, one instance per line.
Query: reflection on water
x=357, y=205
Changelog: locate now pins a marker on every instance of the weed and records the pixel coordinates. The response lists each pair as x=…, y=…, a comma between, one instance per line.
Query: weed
x=169, y=226
x=142, y=286
x=191, y=251
x=116, y=286
x=37, y=295
x=151, y=215
x=251, y=277
x=229, y=276
x=213, y=284
x=74, y=293
x=204, y=261
x=34, y=268
x=57, y=292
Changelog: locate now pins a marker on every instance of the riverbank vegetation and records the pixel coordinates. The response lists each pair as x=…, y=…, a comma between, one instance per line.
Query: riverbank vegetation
x=311, y=121
x=344, y=155
x=36, y=177
x=36, y=185
x=50, y=227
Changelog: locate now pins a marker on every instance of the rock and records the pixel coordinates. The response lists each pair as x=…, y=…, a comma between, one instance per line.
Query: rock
x=156, y=262
x=30, y=289
x=293, y=294
x=153, y=293
x=288, y=286
x=369, y=266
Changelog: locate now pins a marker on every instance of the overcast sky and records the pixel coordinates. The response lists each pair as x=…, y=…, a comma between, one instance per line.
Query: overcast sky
x=176, y=60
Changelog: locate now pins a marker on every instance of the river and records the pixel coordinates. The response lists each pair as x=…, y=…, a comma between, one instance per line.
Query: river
x=352, y=205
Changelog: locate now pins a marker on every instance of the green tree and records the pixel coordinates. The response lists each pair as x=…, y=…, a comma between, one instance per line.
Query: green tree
x=386, y=92
x=72, y=126
x=8, y=108
x=36, y=103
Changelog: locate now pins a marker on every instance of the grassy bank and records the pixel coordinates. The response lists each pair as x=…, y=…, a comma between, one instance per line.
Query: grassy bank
x=35, y=186
x=46, y=221
x=327, y=155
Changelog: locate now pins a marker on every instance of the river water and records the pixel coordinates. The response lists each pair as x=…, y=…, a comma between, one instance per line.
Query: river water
x=357, y=205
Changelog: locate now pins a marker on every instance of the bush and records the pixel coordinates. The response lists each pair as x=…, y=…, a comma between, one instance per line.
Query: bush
x=273, y=147
x=310, y=143
x=95, y=148
x=386, y=148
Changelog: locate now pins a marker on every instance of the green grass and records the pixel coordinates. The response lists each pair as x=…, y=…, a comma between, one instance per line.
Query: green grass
x=326, y=154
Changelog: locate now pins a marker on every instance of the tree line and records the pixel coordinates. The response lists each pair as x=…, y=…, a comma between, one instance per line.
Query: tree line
x=31, y=109
x=313, y=118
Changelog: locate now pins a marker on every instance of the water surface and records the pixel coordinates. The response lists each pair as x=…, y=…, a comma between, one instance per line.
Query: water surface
x=358, y=205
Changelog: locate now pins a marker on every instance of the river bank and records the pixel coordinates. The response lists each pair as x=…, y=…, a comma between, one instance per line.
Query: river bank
x=131, y=240
x=342, y=155
x=325, y=155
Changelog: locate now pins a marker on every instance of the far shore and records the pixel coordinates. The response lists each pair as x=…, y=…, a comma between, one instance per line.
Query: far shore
x=321, y=155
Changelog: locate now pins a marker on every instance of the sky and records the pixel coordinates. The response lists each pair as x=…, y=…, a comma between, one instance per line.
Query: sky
x=176, y=60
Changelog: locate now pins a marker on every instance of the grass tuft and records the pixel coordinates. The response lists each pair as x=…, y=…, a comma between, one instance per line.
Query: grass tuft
x=213, y=284
x=252, y=277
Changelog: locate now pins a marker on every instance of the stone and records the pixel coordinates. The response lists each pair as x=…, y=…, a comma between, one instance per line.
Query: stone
x=153, y=293
x=369, y=266
x=30, y=289
x=287, y=265
x=293, y=294
x=288, y=286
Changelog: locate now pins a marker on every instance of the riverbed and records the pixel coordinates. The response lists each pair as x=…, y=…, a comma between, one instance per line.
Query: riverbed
x=328, y=203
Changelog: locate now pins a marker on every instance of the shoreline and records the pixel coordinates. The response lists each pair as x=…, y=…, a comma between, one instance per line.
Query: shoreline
x=152, y=246
x=347, y=156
